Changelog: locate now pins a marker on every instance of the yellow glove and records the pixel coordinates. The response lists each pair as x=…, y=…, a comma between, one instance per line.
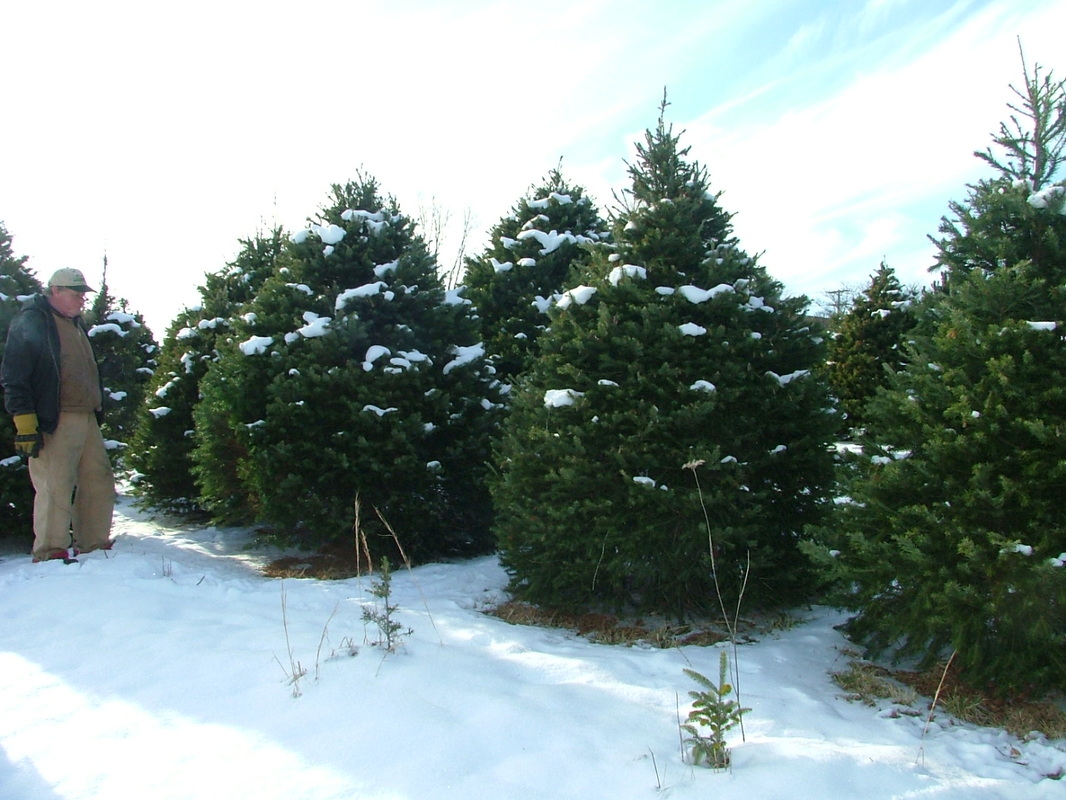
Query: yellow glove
x=28, y=439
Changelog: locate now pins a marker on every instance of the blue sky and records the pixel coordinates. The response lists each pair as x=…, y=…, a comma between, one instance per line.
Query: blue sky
x=161, y=134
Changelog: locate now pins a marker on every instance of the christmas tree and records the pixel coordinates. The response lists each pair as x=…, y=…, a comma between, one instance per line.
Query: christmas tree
x=954, y=537
x=16, y=492
x=671, y=440
x=126, y=352
x=866, y=341
x=353, y=389
x=525, y=266
x=162, y=451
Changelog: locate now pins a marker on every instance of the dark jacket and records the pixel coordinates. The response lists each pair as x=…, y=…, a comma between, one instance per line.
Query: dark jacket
x=30, y=372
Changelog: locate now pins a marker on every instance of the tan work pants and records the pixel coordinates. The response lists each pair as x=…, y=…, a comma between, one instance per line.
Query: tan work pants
x=75, y=488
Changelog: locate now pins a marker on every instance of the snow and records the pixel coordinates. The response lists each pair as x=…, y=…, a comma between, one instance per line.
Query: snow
x=123, y=318
x=549, y=241
x=454, y=297
x=383, y=270
x=579, y=294
x=379, y=410
x=543, y=202
x=376, y=221
x=108, y=327
x=559, y=398
x=1048, y=197
x=1022, y=549
x=366, y=290
x=373, y=353
x=160, y=669
x=256, y=345
x=627, y=271
x=164, y=390
x=696, y=295
x=316, y=326
x=506, y=266
x=542, y=304
x=784, y=380
x=464, y=354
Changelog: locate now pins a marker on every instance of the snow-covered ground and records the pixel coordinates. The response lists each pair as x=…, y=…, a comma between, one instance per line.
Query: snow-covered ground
x=159, y=670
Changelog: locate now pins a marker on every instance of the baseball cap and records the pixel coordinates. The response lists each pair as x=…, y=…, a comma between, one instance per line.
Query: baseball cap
x=71, y=279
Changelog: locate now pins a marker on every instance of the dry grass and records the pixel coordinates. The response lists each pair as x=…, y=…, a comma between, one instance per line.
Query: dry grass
x=868, y=683
x=325, y=566
x=608, y=628
x=1017, y=715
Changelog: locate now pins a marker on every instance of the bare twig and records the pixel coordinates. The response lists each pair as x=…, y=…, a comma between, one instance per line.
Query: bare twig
x=362, y=548
x=655, y=766
x=295, y=671
x=932, y=708
x=322, y=639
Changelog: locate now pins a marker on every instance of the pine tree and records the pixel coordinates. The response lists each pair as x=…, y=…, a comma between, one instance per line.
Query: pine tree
x=162, y=453
x=676, y=359
x=353, y=378
x=525, y=266
x=867, y=340
x=955, y=538
x=15, y=280
x=992, y=230
x=16, y=491
x=126, y=352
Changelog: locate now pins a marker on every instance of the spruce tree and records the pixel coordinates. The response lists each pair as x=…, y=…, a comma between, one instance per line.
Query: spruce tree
x=675, y=377
x=354, y=380
x=525, y=266
x=866, y=341
x=162, y=476
x=954, y=539
x=126, y=352
x=16, y=492
x=162, y=453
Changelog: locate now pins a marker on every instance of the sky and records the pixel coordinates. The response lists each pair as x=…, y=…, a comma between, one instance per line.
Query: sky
x=161, y=135
x=163, y=668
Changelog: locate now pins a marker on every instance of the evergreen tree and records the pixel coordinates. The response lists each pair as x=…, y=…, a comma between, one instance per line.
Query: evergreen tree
x=126, y=352
x=676, y=359
x=16, y=491
x=866, y=341
x=992, y=229
x=955, y=539
x=162, y=454
x=353, y=377
x=525, y=266
x=15, y=279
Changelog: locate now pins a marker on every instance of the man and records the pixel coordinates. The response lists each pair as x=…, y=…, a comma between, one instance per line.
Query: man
x=52, y=389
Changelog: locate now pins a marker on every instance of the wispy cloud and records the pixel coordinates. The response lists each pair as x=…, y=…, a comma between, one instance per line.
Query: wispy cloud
x=164, y=134
x=829, y=187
